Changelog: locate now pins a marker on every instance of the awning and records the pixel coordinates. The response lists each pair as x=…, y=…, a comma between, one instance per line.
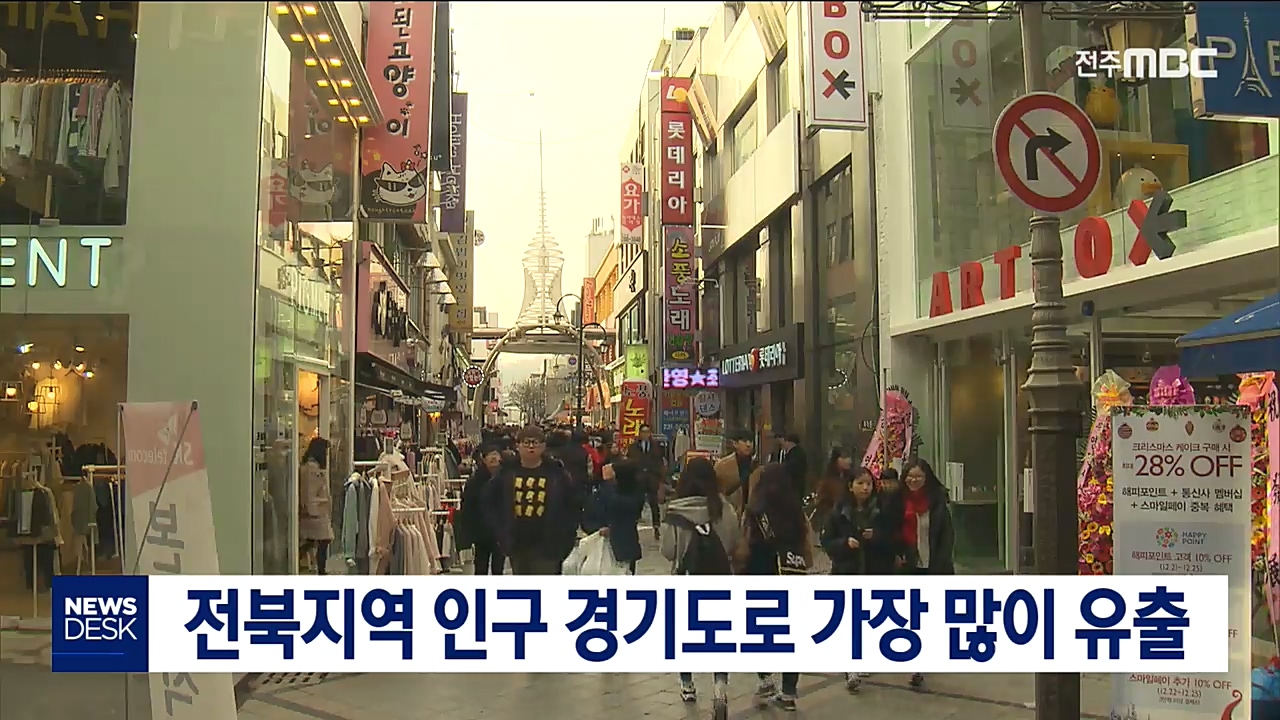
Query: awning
x=1248, y=341
x=375, y=372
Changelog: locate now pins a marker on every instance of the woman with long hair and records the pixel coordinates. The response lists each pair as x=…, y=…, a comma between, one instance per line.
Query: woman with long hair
x=777, y=542
x=860, y=538
x=315, y=503
x=699, y=513
x=926, y=534
x=613, y=509
x=835, y=478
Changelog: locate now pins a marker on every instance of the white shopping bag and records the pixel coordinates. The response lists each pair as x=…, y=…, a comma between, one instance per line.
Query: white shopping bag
x=599, y=559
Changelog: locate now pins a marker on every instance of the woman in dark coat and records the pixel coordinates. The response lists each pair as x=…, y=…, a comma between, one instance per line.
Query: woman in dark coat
x=489, y=559
x=614, y=510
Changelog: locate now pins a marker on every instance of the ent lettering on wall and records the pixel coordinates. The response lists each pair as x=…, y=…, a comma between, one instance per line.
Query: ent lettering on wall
x=45, y=262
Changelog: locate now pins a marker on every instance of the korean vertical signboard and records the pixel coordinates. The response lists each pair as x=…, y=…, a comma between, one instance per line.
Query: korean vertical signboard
x=676, y=138
x=589, y=300
x=453, y=184
x=1183, y=507
x=461, y=280
x=636, y=410
x=632, y=204
x=395, y=155
x=679, y=323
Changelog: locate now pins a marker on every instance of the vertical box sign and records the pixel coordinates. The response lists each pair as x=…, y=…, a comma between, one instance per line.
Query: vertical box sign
x=589, y=300
x=462, y=279
x=636, y=410
x=679, y=323
x=632, y=214
x=394, y=156
x=676, y=145
x=453, y=184
x=837, y=95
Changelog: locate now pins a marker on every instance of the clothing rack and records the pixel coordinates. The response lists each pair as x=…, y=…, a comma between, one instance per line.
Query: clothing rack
x=111, y=474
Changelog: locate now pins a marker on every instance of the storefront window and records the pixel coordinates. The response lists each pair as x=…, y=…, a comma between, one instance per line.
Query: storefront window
x=66, y=93
x=305, y=240
x=763, y=285
x=1150, y=140
x=745, y=137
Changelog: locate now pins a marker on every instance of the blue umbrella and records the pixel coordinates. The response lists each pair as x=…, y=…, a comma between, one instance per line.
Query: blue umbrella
x=1248, y=341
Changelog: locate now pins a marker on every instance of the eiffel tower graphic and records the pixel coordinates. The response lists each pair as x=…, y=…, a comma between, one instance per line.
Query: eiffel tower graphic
x=1251, y=79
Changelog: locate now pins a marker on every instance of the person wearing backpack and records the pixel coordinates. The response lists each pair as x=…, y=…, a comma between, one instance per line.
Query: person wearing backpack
x=702, y=535
x=776, y=542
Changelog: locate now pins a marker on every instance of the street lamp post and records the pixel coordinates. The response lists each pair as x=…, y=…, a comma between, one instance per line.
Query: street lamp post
x=581, y=328
x=1051, y=380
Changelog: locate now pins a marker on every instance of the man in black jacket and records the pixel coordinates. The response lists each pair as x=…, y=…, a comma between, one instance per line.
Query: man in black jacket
x=650, y=458
x=792, y=457
x=532, y=509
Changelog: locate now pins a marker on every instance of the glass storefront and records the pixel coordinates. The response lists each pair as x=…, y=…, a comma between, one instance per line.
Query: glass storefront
x=302, y=346
x=1150, y=141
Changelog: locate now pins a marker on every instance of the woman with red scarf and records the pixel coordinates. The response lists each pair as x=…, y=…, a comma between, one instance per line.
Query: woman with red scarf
x=927, y=535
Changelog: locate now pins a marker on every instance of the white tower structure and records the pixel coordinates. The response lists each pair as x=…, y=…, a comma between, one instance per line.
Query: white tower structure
x=543, y=264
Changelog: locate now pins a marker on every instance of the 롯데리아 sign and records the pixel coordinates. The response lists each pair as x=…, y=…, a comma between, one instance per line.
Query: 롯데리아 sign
x=1047, y=151
x=680, y=308
x=164, y=449
x=394, y=156
x=677, y=168
x=1182, y=506
x=837, y=95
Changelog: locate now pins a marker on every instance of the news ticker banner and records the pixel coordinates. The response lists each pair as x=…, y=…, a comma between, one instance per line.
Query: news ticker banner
x=1183, y=506
x=640, y=624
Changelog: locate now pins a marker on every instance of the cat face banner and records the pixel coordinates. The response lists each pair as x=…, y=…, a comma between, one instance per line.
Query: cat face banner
x=395, y=155
x=320, y=165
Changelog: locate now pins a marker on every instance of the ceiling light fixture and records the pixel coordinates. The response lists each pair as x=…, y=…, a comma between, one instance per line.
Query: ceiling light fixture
x=25, y=348
x=79, y=367
x=335, y=62
x=296, y=37
x=100, y=18
x=323, y=37
x=79, y=348
x=310, y=62
x=344, y=82
x=35, y=366
x=57, y=364
x=10, y=391
x=354, y=102
x=363, y=118
x=322, y=82
x=343, y=118
x=282, y=9
x=309, y=9
x=333, y=101
x=33, y=406
x=88, y=373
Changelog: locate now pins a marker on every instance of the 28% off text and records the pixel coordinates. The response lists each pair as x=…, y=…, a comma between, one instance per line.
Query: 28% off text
x=1201, y=466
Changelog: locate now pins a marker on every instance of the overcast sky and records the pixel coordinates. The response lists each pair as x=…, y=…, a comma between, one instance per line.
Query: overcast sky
x=575, y=72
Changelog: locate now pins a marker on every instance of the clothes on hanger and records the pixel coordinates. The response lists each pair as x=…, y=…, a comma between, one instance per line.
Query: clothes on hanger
x=76, y=126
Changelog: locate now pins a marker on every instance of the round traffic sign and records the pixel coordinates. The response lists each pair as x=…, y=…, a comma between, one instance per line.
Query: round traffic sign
x=1047, y=151
x=473, y=376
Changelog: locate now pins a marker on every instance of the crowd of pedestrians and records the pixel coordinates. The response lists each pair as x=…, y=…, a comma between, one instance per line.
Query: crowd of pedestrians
x=535, y=489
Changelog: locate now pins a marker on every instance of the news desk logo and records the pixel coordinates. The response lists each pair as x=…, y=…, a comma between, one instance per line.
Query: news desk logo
x=100, y=624
x=1144, y=63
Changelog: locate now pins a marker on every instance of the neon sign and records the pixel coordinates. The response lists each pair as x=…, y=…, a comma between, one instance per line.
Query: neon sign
x=45, y=260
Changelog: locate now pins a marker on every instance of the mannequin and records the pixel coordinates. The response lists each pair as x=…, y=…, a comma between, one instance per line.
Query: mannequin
x=35, y=523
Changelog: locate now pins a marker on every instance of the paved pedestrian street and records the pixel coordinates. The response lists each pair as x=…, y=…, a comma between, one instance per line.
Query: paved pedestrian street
x=29, y=691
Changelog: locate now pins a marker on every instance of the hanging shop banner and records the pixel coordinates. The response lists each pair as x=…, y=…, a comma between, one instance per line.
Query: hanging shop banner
x=453, y=184
x=462, y=279
x=837, y=99
x=1183, y=507
x=164, y=451
x=708, y=435
x=632, y=216
x=588, y=300
x=636, y=410
x=637, y=367
x=320, y=161
x=680, y=305
x=675, y=415
x=965, y=71
x=394, y=156
x=1246, y=81
x=677, y=168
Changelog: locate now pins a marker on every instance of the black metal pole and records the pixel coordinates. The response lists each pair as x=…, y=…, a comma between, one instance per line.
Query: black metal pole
x=582, y=332
x=1053, y=390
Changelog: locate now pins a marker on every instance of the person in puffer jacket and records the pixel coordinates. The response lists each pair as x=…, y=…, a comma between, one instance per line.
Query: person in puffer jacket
x=698, y=500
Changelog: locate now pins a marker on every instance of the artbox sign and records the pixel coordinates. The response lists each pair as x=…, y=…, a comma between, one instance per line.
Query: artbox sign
x=52, y=262
x=395, y=156
x=837, y=94
x=680, y=302
x=1092, y=251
